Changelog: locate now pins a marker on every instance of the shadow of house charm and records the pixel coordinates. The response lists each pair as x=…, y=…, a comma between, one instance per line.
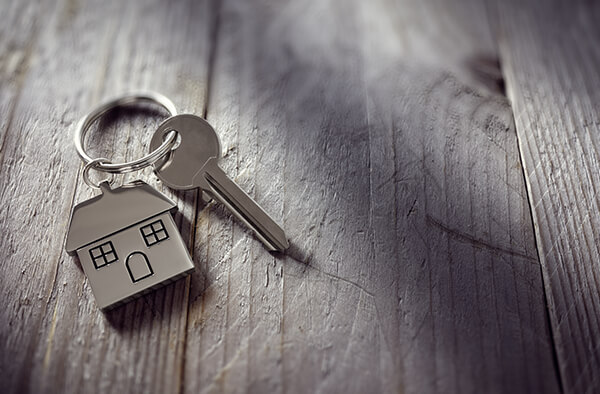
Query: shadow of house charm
x=127, y=242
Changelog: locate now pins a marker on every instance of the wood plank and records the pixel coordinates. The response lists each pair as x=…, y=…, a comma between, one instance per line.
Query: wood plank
x=15, y=53
x=381, y=141
x=58, y=340
x=377, y=133
x=550, y=57
x=21, y=313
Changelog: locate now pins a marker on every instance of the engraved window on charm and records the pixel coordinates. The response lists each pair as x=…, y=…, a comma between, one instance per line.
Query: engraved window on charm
x=103, y=255
x=154, y=232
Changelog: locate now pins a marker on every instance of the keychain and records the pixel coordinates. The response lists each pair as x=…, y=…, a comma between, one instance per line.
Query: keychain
x=126, y=238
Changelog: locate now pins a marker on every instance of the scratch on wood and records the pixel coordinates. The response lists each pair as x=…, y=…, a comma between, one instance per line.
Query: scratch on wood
x=334, y=276
x=50, y=338
x=412, y=208
x=460, y=236
x=19, y=76
x=413, y=338
x=267, y=277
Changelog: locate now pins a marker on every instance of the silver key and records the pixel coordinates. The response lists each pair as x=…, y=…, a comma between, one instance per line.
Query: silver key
x=194, y=163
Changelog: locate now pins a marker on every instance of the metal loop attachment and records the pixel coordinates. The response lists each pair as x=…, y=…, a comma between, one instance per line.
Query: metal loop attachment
x=102, y=164
x=94, y=164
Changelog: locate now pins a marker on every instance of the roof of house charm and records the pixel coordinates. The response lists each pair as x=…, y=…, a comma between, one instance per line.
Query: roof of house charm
x=127, y=242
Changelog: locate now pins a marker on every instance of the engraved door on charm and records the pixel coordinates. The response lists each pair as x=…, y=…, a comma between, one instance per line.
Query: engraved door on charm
x=138, y=266
x=127, y=243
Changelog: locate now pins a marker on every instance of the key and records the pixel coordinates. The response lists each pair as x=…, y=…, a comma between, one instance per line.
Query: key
x=194, y=163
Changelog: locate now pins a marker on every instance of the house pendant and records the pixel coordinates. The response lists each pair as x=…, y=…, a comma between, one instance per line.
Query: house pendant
x=127, y=242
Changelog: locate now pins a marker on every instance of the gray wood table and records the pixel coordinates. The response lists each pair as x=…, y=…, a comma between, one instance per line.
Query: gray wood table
x=436, y=166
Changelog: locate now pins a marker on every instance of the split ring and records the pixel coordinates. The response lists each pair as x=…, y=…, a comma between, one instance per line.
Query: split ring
x=94, y=165
x=102, y=164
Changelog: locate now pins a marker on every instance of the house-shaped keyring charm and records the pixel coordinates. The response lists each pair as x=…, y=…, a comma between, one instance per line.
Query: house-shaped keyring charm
x=127, y=242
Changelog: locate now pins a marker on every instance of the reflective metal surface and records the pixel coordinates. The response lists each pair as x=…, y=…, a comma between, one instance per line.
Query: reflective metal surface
x=127, y=242
x=194, y=164
x=91, y=166
x=134, y=98
x=212, y=179
x=113, y=210
x=198, y=142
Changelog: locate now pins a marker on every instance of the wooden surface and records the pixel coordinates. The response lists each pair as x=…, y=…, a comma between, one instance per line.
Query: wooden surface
x=434, y=166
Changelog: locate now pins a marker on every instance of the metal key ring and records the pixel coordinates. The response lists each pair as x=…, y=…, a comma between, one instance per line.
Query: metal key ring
x=121, y=168
x=94, y=165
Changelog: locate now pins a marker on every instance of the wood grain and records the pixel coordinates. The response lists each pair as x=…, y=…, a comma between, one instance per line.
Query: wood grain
x=550, y=57
x=57, y=340
x=403, y=195
x=378, y=133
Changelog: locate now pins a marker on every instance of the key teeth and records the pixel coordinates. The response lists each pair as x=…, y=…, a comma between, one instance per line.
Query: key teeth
x=280, y=247
x=274, y=244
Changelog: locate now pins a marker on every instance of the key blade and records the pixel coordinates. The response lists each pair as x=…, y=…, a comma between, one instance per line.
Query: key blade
x=241, y=205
